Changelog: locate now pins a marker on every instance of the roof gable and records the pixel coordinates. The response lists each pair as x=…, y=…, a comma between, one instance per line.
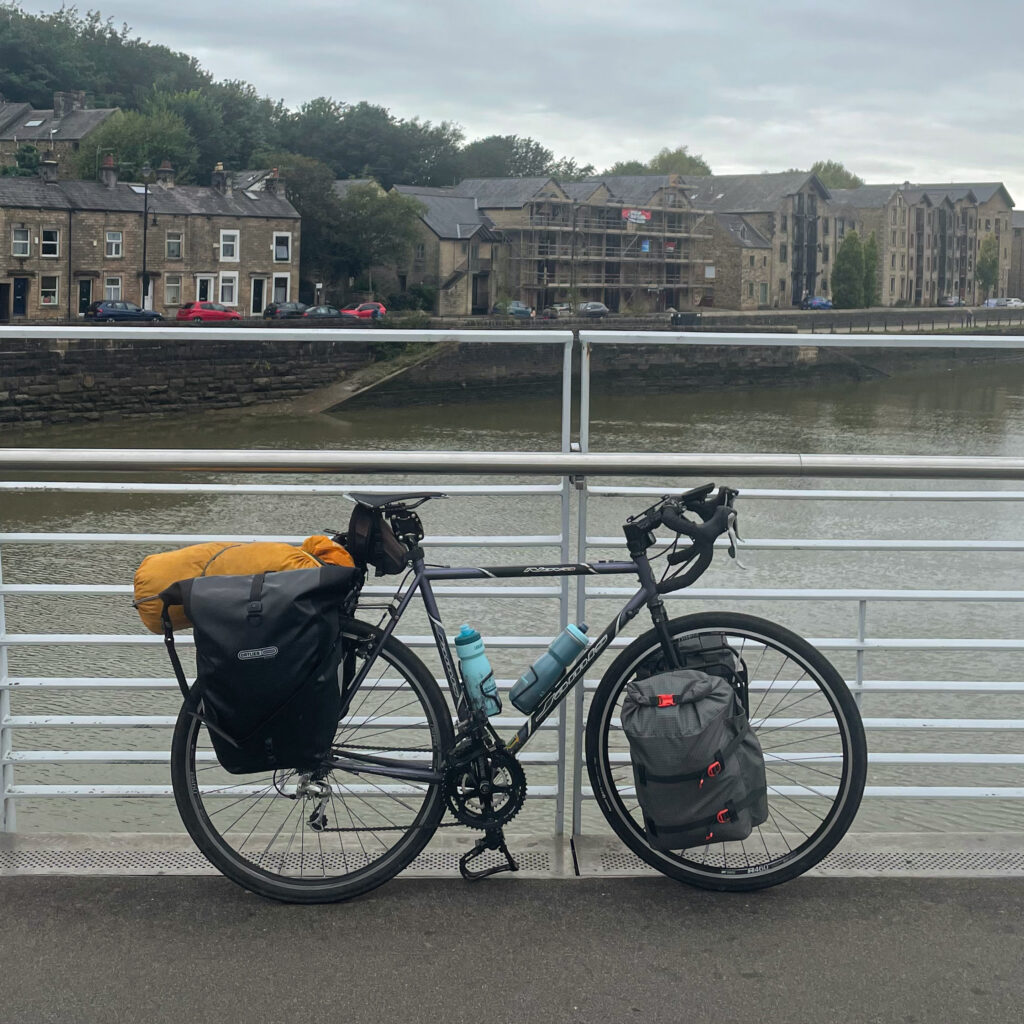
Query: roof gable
x=509, y=193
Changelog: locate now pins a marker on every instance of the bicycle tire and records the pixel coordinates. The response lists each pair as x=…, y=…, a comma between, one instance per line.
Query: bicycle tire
x=323, y=855
x=768, y=857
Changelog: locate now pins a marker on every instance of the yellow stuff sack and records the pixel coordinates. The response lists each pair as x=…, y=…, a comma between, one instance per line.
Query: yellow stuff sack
x=219, y=558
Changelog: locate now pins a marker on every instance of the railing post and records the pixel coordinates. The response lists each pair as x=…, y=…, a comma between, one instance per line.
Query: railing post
x=862, y=633
x=7, y=815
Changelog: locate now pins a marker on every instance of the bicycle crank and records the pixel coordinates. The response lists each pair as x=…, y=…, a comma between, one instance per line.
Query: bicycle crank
x=487, y=791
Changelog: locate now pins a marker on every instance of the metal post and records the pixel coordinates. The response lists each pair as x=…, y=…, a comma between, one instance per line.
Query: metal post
x=146, y=171
x=7, y=816
x=862, y=624
x=563, y=599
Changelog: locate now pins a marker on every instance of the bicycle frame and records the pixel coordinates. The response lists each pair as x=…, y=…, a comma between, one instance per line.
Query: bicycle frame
x=649, y=593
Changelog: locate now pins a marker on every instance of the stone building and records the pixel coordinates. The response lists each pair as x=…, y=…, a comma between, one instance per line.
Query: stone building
x=456, y=254
x=635, y=243
x=66, y=243
x=1015, y=283
x=56, y=134
x=743, y=263
x=790, y=211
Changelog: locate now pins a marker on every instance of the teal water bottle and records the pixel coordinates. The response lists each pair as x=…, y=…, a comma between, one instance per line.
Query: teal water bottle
x=476, y=672
x=542, y=675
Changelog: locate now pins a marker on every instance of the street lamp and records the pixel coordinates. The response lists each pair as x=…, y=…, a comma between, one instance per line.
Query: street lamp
x=146, y=172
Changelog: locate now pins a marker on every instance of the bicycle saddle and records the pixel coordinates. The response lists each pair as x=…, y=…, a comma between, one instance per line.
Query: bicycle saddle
x=380, y=500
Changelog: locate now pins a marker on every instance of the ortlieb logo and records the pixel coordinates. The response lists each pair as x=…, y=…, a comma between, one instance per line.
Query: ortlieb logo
x=259, y=652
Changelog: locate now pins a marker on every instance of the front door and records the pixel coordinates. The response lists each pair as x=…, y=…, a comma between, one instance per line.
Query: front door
x=204, y=289
x=258, y=295
x=84, y=294
x=20, y=296
x=5, y=302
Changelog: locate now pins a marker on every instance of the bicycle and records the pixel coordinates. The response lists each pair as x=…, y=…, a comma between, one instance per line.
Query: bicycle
x=399, y=762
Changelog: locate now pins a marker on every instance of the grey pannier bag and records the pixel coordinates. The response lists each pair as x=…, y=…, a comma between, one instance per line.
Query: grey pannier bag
x=698, y=767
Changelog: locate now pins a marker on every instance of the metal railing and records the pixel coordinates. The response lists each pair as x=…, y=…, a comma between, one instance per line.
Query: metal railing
x=579, y=477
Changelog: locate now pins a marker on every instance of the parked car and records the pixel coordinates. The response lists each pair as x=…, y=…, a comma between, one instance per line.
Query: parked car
x=992, y=303
x=283, y=310
x=206, y=312
x=816, y=302
x=563, y=308
x=513, y=307
x=365, y=310
x=113, y=310
x=322, y=312
x=1015, y=303
x=952, y=300
x=592, y=309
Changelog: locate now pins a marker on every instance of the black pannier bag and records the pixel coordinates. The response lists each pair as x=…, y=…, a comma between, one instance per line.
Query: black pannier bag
x=698, y=767
x=268, y=649
x=371, y=541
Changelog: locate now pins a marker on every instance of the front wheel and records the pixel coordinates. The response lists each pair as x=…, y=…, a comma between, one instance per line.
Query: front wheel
x=334, y=834
x=810, y=733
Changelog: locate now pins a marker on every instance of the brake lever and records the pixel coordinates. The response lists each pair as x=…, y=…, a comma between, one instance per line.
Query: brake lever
x=733, y=533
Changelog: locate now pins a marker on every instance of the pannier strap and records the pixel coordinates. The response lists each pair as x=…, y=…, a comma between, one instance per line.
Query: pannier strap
x=173, y=595
x=714, y=768
x=722, y=817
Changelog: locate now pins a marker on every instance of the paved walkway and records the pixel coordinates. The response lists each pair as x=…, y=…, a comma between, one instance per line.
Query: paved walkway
x=188, y=950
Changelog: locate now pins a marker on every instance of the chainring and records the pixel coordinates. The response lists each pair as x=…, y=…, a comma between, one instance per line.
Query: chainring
x=487, y=799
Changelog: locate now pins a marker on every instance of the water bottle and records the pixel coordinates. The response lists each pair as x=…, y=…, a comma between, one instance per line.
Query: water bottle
x=476, y=672
x=542, y=675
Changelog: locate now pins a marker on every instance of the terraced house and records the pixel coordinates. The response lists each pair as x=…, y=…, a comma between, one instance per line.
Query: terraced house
x=66, y=243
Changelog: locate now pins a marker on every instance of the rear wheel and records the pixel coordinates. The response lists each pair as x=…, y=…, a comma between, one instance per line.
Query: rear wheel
x=810, y=733
x=339, y=834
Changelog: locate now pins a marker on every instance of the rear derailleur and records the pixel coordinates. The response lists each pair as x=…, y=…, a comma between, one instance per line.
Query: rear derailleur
x=484, y=788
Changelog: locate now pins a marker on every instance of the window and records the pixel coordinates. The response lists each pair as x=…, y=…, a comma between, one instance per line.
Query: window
x=892, y=285
x=172, y=290
x=763, y=297
x=48, y=291
x=751, y=259
x=782, y=286
x=783, y=227
x=892, y=261
x=282, y=248
x=750, y=289
x=894, y=238
x=229, y=247
x=174, y=245
x=903, y=261
x=894, y=215
x=282, y=287
x=988, y=224
x=112, y=288
x=51, y=242
x=114, y=240
x=824, y=254
x=782, y=252
x=420, y=252
x=20, y=245
x=229, y=289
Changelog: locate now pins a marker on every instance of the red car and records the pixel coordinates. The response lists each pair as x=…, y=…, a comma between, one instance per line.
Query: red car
x=365, y=310
x=199, y=312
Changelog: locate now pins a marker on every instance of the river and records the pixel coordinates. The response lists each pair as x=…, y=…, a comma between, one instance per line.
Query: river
x=952, y=409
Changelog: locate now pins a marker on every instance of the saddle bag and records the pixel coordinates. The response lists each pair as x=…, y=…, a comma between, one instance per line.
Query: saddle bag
x=268, y=650
x=371, y=541
x=698, y=768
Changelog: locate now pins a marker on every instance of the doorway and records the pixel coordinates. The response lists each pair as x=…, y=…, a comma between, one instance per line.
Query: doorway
x=20, y=307
x=5, y=302
x=84, y=294
x=204, y=289
x=257, y=302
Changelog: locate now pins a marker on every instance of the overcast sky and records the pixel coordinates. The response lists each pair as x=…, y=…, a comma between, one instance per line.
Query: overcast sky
x=895, y=89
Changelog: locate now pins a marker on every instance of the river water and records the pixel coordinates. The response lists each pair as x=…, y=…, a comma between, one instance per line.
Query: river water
x=949, y=409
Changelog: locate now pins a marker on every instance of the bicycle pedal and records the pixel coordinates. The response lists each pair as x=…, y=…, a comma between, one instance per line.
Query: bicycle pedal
x=490, y=841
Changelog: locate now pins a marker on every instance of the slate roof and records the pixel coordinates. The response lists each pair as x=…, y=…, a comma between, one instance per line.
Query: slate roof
x=874, y=196
x=33, y=193
x=742, y=233
x=983, y=190
x=501, y=193
x=1017, y=219
x=70, y=128
x=11, y=112
x=635, y=189
x=249, y=179
x=746, y=193
x=448, y=214
x=867, y=197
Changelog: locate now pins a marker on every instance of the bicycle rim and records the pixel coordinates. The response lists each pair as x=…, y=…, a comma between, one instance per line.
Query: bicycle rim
x=272, y=833
x=810, y=733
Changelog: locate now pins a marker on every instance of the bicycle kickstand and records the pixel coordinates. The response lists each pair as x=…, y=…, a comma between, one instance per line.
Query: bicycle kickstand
x=493, y=839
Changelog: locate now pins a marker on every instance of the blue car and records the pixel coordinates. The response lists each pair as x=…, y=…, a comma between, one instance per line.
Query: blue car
x=816, y=302
x=113, y=310
x=511, y=308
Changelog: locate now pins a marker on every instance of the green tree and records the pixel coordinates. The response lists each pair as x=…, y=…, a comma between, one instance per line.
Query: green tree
x=629, y=167
x=376, y=228
x=505, y=156
x=848, y=274
x=26, y=163
x=667, y=161
x=138, y=139
x=833, y=174
x=871, y=266
x=987, y=271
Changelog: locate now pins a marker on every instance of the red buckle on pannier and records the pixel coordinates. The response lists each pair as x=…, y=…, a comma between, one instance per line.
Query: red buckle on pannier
x=666, y=700
x=715, y=768
x=723, y=816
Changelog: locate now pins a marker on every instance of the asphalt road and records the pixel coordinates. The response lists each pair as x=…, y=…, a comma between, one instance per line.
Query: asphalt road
x=151, y=950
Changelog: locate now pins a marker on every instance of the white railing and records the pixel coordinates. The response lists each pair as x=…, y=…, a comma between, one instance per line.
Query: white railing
x=573, y=476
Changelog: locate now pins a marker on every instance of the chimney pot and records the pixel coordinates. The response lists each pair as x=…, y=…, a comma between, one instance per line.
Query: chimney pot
x=48, y=171
x=108, y=171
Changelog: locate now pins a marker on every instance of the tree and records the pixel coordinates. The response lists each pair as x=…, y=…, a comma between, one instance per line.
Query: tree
x=138, y=139
x=26, y=163
x=848, y=274
x=987, y=271
x=666, y=161
x=871, y=257
x=833, y=174
x=505, y=156
x=376, y=227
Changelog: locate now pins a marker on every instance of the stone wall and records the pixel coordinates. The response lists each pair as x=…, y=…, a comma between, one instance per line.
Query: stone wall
x=45, y=382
